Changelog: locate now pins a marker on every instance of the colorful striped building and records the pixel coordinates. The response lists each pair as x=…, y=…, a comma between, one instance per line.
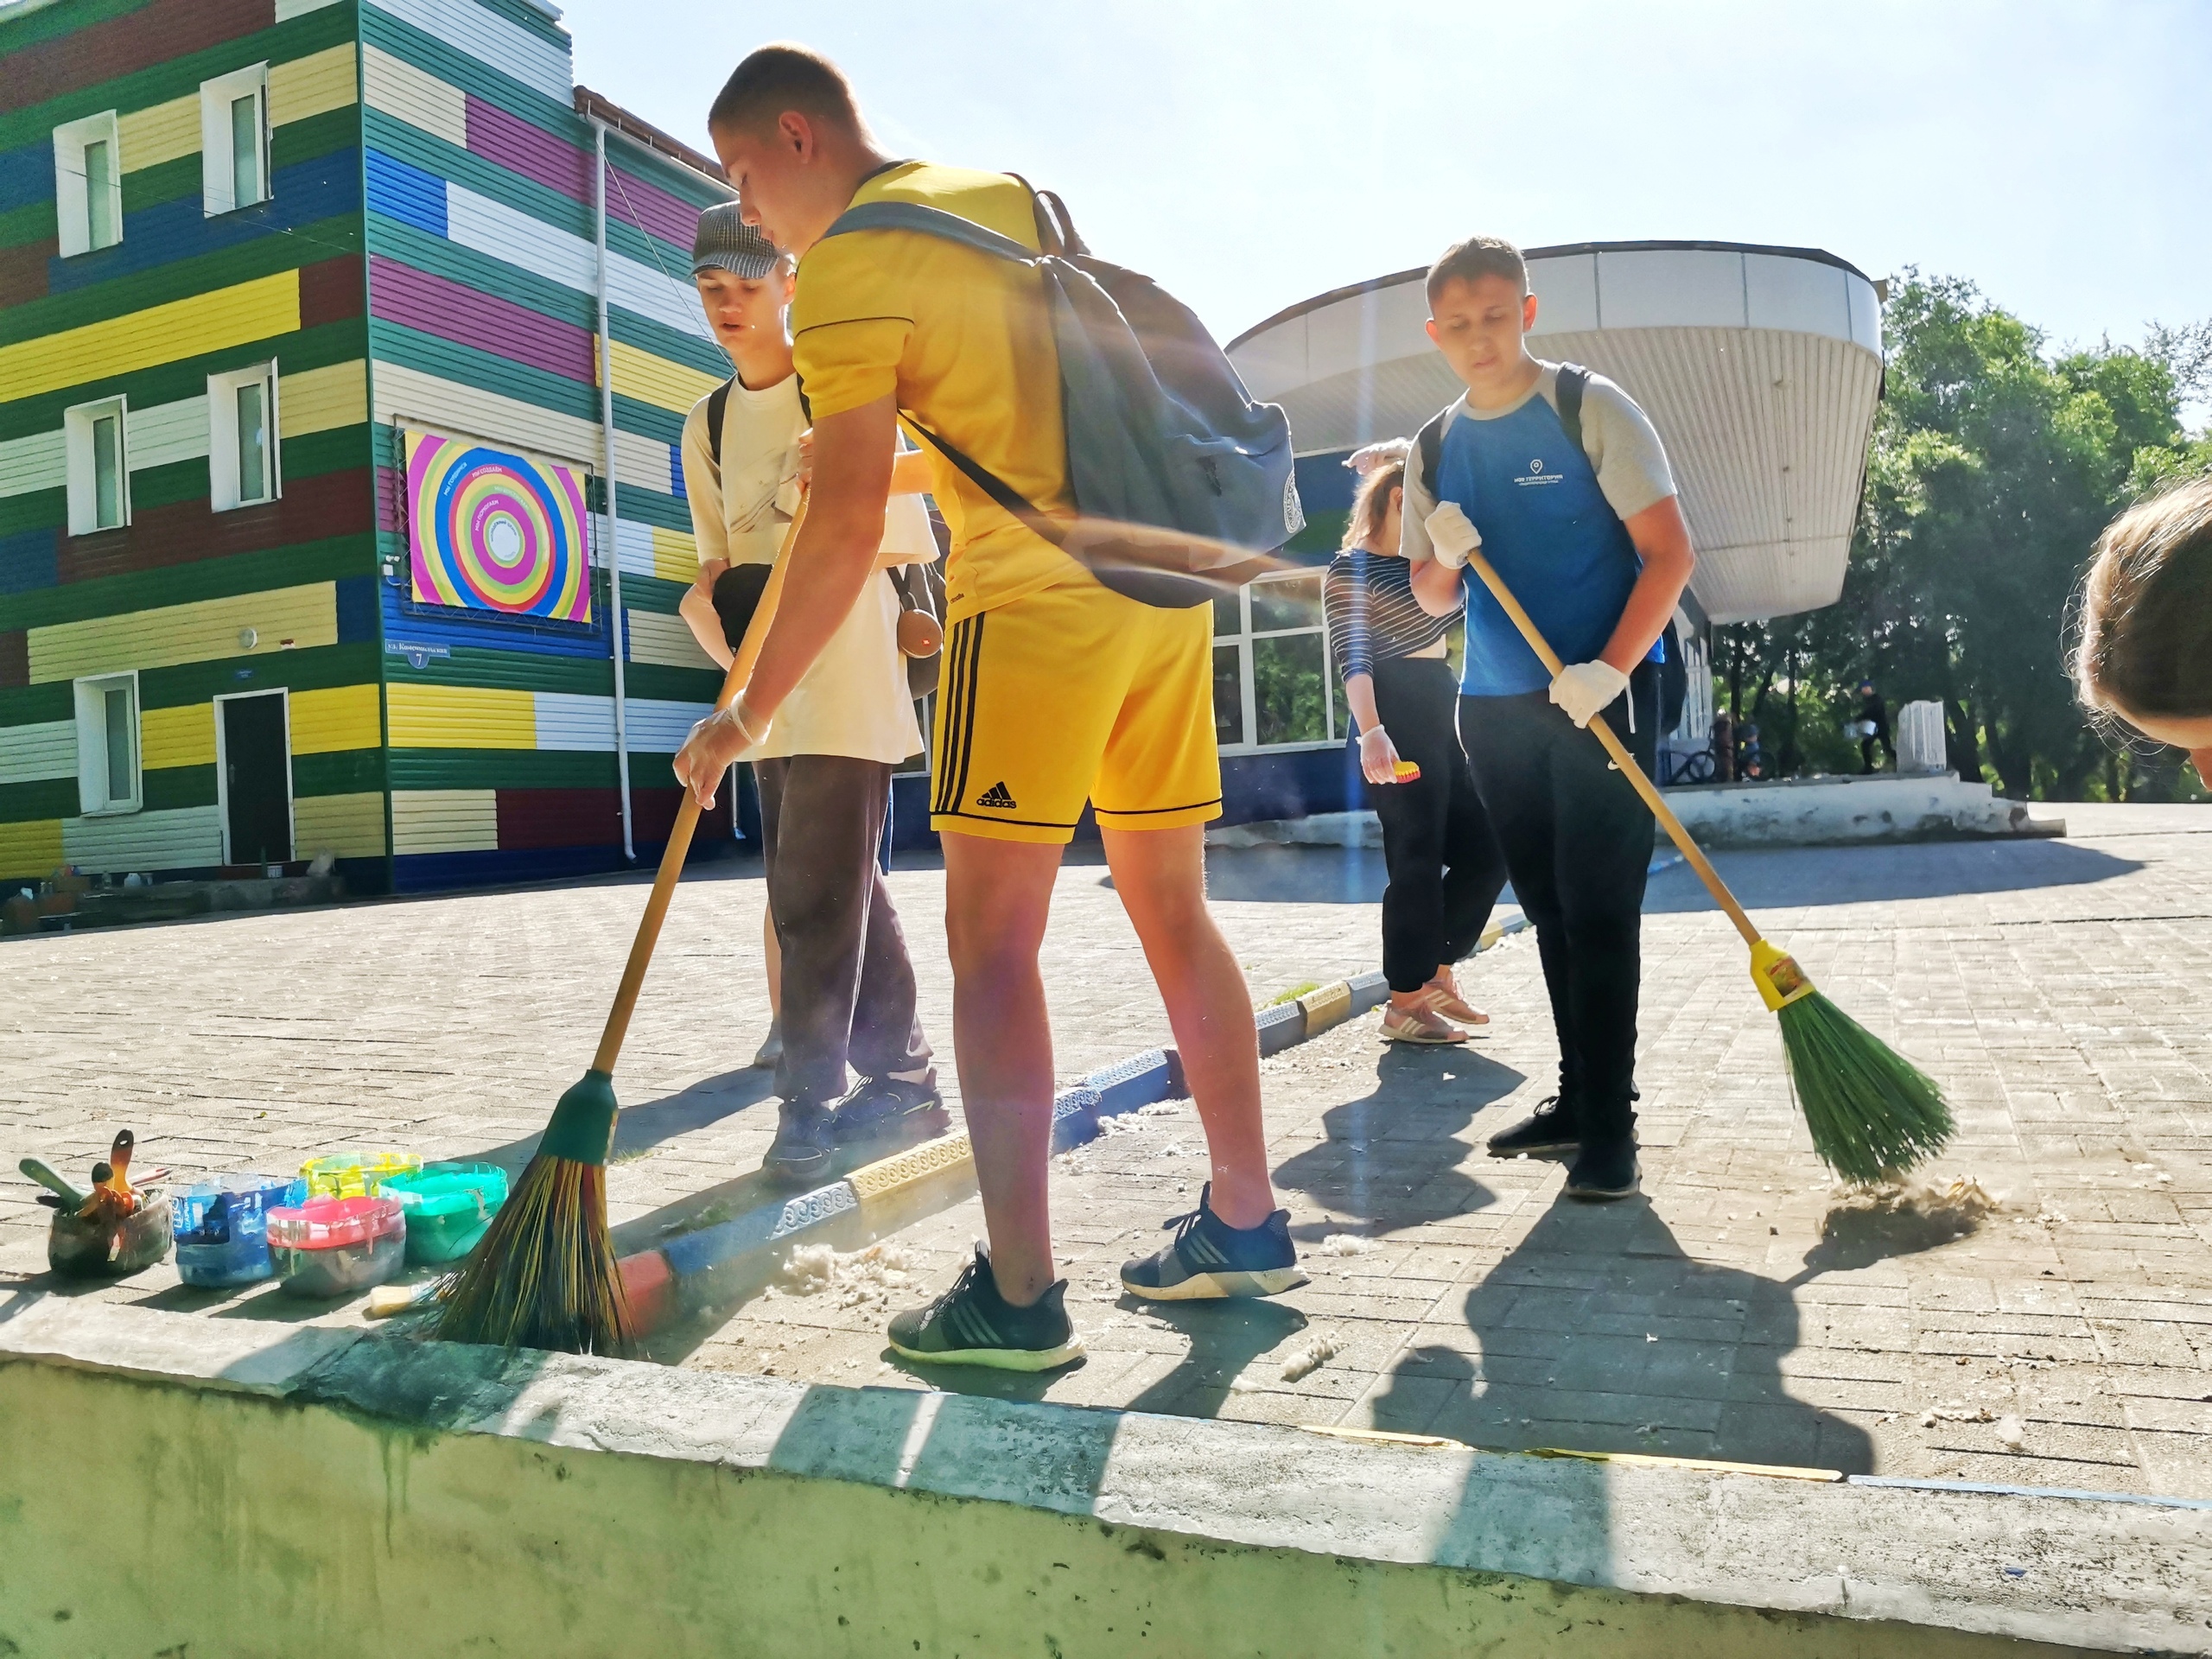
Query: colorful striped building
x=254, y=256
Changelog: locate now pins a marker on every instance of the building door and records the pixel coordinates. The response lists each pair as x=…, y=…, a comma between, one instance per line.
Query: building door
x=257, y=779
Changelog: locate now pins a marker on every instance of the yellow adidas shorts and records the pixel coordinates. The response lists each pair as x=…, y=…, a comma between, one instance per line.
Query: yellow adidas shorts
x=1074, y=693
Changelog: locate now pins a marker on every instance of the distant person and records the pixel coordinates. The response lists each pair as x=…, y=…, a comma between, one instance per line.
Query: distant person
x=2146, y=652
x=1057, y=690
x=824, y=771
x=1590, y=539
x=1445, y=867
x=1874, y=728
x=1751, y=758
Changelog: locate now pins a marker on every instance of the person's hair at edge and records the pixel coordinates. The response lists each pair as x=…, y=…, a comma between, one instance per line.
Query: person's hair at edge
x=784, y=76
x=1478, y=255
x=2146, y=609
x=1371, y=502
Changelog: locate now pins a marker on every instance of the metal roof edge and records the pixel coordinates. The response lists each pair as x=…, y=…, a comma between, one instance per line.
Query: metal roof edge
x=597, y=106
x=1558, y=251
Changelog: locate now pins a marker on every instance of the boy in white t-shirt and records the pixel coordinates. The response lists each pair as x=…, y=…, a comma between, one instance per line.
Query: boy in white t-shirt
x=825, y=768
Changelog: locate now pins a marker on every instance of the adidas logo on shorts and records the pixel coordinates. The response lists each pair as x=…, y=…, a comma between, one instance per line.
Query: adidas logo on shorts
x=996, y=796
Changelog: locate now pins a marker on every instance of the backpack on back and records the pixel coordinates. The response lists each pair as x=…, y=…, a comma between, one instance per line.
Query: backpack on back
x=1178, y=474
x=1573, y=380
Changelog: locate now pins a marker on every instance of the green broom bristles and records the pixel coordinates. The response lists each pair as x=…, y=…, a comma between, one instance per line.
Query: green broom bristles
x=545, y=1275
x=1873, y=1112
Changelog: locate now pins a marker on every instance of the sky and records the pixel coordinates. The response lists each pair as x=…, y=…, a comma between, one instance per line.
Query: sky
x=1250, y=154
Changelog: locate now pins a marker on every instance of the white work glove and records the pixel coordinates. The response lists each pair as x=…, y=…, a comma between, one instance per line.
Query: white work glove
x=1378, y=756
x=1451, y=535
x=1583, y=690
x=714, y=744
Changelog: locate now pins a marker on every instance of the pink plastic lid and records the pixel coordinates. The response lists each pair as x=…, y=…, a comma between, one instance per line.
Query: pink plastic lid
x=327, y=1223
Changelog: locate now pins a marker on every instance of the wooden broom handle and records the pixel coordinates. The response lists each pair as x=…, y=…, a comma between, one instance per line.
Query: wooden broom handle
x=686, y=815
x=1602, y=730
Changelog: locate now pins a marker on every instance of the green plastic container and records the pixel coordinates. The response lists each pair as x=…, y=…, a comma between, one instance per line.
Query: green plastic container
x=448, y=1206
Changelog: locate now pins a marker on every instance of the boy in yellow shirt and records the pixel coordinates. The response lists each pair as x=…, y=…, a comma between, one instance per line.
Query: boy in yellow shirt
x=1055, y=690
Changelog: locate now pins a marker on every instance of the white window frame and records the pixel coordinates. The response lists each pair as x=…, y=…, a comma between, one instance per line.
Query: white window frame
x=94, y=799
x=217, y=192
x=72, y=199
x=223, y=769
x=77, y=428
x=222, y=390
x=1244, y=639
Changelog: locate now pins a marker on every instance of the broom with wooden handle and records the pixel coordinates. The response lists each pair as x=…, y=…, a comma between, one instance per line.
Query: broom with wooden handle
x=1872, y=1112
x=545, y=1275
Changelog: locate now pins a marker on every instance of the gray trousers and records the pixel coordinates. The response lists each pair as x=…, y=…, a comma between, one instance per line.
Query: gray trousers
x=848, y=987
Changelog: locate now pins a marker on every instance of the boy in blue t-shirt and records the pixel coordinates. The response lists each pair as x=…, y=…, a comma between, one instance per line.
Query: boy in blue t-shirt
x=1590, y=539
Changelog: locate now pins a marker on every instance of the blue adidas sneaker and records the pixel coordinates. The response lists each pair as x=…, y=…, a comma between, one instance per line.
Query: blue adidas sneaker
x=1208, y=1258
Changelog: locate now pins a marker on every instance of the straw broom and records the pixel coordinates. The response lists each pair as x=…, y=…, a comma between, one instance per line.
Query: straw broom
x=545, y=1275
x=1872, y=1112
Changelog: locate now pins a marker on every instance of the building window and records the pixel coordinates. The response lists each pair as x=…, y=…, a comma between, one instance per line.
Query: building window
x=234, y=140
x=107, y=744
x=87, y=184
x=1273, y=683
x=98, y=467
x=242, y=451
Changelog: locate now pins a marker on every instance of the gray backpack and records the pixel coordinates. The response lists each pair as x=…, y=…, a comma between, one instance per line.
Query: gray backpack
x=1161, y=435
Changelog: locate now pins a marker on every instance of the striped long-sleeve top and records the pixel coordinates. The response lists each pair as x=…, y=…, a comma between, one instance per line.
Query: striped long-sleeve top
x=1372, y=614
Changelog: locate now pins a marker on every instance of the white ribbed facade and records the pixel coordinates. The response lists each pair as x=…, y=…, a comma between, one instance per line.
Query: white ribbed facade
x=1761, y=368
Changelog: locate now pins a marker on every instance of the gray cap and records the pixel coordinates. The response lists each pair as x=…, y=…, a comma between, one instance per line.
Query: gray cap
x=726, y=243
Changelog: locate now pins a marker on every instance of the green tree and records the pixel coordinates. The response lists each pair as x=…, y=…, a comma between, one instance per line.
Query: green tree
x=1995, y=463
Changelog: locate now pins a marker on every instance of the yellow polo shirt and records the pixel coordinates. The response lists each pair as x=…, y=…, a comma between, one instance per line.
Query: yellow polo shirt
x=963, y=342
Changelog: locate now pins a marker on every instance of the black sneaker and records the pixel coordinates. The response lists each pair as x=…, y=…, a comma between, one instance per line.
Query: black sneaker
x=973, y=1325
x=1551, y=1129
x=1208, y=1258
x=1605, y=1172
x=805, y=1145
x=882, y=1115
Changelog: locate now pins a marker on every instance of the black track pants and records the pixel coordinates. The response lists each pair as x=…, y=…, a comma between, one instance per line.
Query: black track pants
x=848, y=987
x=1446, y=869
x=1578, y=844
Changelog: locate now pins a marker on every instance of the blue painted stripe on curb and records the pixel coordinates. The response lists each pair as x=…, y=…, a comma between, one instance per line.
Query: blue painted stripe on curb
x=1074, y=1117
x=1280, y=1026
x=1370, y=990
x=1998, y=1490
x=1138, y=1081
x=771, y=1223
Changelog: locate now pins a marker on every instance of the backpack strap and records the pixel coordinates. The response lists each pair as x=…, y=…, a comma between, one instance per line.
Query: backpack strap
x=717, y=402
x=1003, y=493
x=1573, y=380
x=1428, y=443
x=930, y=221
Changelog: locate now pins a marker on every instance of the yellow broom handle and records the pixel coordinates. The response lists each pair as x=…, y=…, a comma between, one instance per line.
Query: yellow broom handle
x=1604, y=733
x=686, y=815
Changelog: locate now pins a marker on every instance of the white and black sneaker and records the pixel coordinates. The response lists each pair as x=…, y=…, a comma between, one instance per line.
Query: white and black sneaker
x=973, y=1325
x=1208, y=1258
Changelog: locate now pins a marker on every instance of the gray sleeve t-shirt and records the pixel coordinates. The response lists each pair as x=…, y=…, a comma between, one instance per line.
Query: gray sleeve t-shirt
x=1623, y=449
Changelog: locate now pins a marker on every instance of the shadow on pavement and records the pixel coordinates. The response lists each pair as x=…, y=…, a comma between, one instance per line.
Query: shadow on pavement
x=1393, y=1157
x=1225, y=1336
x=642, y=1127
x=1596, y=1333
x=1793, y=877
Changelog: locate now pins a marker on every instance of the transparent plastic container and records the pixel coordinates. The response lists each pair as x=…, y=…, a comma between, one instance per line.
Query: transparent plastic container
x=335, y=1246
x=104, y=1249
x=355, y=1174
x=222, y=1227
x=448, y=1206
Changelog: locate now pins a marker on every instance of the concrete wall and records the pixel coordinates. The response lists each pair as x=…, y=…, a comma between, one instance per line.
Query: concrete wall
x=175, y=1485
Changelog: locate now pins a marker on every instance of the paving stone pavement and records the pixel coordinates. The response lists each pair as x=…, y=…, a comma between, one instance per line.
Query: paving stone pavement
x=1745, y=1308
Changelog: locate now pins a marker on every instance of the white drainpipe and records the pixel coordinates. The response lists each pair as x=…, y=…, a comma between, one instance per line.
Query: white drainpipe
x=606, y=438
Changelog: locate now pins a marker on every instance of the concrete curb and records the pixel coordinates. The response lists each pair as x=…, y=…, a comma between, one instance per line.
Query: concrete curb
x=428, y=1496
